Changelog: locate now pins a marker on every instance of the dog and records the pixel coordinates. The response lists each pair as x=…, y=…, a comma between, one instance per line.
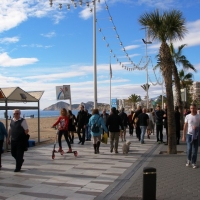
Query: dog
x=126, y=147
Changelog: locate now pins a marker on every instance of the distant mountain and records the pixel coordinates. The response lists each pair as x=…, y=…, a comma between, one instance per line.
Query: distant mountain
x=89, y=106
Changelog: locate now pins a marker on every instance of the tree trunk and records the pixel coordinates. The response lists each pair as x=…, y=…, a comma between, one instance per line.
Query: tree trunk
x=179, y=101
x=166, y=67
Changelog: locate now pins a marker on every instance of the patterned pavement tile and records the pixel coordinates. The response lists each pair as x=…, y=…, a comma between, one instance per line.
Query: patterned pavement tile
x=66, y=177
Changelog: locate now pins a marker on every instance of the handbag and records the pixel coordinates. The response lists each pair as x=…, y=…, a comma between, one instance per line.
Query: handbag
x=95, y=128
x=136, y=120
x=104, y=138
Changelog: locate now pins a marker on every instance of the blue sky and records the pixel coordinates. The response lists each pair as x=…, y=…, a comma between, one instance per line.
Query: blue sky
x=42, y=47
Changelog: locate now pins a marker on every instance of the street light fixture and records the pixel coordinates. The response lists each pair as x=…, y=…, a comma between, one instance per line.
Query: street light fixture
x=147, y=85
x=145, y=42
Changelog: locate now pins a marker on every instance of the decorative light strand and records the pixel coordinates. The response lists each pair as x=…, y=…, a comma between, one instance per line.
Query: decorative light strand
x=74, y=3
x=121, y=44
x=157, y=80
x=90, y=4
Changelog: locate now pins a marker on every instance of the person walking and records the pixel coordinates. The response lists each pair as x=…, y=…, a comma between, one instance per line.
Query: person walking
x=17, y=133
x=63, y=122
x=130, y=123
x=154, y=119
x=143, y=120
x=178, y=124
x=150, y=126
x=166, y=123
x=104, y=115
x=124, y=119
x=135, y=121
x=192, y=122
x=81, y=124
x=87, y=127
x=98, y=120
x=3, y=134
x=113, y=123
x=71, y=126
x=159, y=124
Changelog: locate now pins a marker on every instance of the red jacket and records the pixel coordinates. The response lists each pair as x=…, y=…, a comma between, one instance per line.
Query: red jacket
x=130, y=120
x=63, y=123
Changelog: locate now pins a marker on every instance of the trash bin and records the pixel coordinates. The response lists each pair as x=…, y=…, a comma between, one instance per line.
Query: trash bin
x=149, y=183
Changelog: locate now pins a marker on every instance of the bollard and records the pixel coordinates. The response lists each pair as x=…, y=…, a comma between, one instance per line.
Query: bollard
x=149, y=183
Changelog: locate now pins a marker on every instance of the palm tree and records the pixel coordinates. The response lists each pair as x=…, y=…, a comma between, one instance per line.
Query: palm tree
x=179, y=59
x=134, y=98
x=165, y=27
x=186, y=82
x=145, y=87
x=185, y=79
x=159, y=100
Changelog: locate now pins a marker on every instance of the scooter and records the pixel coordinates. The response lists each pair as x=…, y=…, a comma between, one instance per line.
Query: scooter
x=62, y=152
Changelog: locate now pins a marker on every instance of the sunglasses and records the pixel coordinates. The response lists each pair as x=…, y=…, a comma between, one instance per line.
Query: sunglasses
x=16, y=113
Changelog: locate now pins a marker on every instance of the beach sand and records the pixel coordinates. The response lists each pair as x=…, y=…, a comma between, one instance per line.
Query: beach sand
x=47, y=134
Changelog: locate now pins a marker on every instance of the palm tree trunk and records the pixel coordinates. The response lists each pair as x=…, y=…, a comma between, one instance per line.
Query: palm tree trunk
x=166, y=67
x=179, y=102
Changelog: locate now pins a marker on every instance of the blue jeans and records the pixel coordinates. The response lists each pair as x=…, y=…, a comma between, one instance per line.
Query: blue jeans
x=87, y=132
x=143, y=131
x=192, y=149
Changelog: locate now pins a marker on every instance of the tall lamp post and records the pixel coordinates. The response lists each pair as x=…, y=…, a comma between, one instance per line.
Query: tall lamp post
x=94, y=55
x=94, y=41
x=147, y=84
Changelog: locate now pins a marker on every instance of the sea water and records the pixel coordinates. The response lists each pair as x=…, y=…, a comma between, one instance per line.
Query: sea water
x=28, y=113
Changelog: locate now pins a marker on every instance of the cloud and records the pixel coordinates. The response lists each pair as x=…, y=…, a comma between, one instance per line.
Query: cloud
x=190, y=39
x=9, y=40
x=197, y=66
x=49, y=35
x=82, y=91
x=88, y=11
x=85, y=13
x=134, y=55
x=164, y=4
x=36, y=46
x=55, y=76
x=6, y=61
x=131, y=47
x=58, y=17
x=12, y=14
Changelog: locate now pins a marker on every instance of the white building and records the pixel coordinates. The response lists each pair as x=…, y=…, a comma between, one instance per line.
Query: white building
x=195, y=91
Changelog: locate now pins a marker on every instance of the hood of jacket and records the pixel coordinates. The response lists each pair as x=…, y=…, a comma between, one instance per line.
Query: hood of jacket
x=94, y=118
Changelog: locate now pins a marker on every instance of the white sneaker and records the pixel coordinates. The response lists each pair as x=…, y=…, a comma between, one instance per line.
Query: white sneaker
x=194, y=166
x=187, y=163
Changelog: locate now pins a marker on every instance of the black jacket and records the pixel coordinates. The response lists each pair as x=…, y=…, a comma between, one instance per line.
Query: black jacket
x=88, y=115
x=81, y=118
x=114, y=122
x=124, y=118
x=135, y=115
x=159, y=117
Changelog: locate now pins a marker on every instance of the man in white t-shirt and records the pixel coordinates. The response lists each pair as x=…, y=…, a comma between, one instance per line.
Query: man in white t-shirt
x=192, y=121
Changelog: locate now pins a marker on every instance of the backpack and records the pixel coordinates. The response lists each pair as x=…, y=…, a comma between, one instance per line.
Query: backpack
x=95, y=128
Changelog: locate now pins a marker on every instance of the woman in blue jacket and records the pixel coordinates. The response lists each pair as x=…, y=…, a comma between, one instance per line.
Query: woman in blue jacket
x=97, y=119
x=3, y=133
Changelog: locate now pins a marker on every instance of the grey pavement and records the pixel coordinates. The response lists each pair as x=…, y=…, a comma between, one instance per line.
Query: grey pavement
x=175, y=181
x=67, y=177
x=98, y=176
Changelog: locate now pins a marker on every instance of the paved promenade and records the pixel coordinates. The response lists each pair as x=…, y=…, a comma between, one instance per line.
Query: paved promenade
x=175, y=181
x=93, y=176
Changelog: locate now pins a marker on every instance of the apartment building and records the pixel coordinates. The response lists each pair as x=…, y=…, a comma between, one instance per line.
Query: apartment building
x=195, y=91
